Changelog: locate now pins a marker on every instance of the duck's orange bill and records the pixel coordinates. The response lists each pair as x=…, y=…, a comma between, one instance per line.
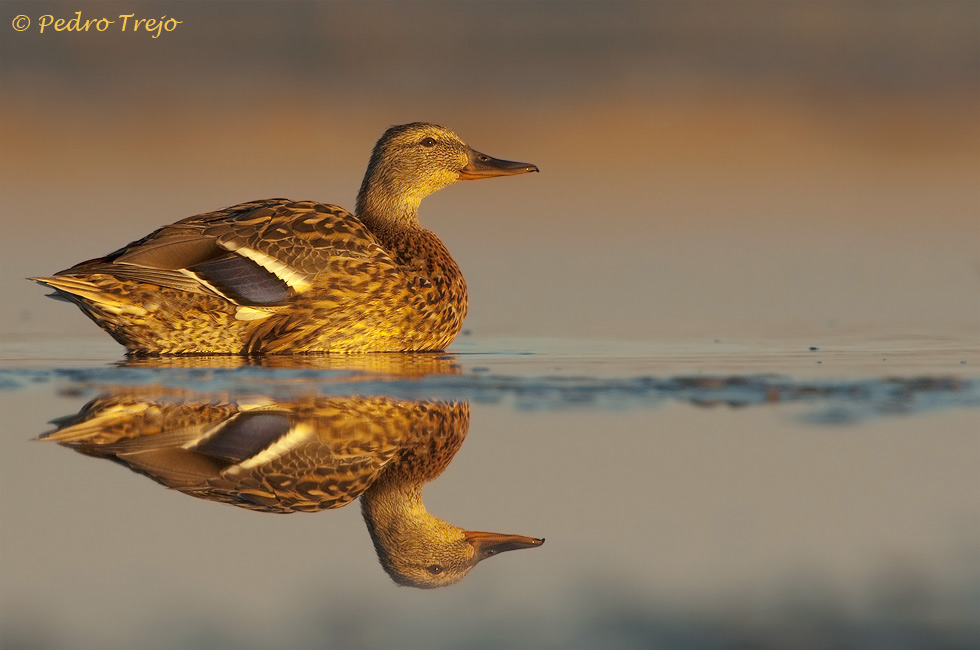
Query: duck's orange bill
x=481, y=165
x=489, y=544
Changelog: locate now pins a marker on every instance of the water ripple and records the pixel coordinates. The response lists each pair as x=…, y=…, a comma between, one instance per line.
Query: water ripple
x=830, y=401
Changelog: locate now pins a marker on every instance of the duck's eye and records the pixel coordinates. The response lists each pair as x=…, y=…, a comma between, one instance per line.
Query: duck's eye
x=434, y=569
x=428, y=142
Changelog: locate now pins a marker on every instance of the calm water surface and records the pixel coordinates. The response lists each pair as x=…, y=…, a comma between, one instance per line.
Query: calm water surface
x=693, y=494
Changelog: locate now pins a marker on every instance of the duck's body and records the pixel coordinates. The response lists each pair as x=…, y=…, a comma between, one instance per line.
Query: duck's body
x=231, y=292
x=277, y=276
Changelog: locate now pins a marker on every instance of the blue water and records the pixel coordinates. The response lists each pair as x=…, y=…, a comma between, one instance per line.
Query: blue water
x=827, y=401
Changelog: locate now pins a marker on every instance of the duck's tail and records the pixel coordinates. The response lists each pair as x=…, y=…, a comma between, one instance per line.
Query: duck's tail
x=86, y=293
x=97, y=422
x=150, y=319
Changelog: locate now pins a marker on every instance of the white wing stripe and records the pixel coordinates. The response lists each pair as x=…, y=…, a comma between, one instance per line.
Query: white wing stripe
x=294, y=279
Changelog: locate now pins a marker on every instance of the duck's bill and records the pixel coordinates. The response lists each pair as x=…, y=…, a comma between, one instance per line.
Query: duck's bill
x=489, y=544
x=483, y=166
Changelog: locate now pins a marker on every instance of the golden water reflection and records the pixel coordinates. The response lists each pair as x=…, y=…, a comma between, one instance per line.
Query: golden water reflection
x=305, y=454
x=383, y=364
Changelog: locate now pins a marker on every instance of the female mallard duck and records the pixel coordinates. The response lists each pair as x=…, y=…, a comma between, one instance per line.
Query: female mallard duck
x=280, y=277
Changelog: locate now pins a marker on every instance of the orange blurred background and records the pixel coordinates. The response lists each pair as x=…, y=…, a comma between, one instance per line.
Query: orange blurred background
x=707, y=169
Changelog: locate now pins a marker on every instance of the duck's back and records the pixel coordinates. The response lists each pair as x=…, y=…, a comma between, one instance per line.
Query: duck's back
x=272, y=276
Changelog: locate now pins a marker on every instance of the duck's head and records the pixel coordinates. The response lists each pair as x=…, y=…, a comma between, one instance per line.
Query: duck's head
x=438, y=554
x=411, y=161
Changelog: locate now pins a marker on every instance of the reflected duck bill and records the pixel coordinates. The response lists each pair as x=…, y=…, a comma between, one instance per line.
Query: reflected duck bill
x=481, y=165
x=490, y=544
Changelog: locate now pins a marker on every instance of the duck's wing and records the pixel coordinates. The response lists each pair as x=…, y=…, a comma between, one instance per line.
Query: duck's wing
x=258, y=254
x=270, y=460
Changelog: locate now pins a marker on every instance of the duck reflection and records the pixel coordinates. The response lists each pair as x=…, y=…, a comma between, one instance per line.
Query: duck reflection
x=303, y=455
x=385, y=364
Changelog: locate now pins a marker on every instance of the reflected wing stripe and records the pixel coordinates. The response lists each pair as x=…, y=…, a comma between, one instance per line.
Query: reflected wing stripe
x=295, y=438
x=245, y=436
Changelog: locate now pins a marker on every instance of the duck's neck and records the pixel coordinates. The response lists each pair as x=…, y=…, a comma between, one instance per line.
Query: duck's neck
x=392, y=217
x=387, y=206
x=395, y=515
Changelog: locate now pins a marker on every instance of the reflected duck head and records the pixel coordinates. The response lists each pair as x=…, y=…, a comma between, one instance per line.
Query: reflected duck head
x=411, y=161
x=442, y=554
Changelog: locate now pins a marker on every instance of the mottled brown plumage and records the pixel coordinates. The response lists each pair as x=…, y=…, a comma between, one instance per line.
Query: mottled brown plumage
x=304, y=455
x=280, y=276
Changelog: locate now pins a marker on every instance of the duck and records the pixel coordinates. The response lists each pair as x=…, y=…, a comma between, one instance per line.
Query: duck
x=309, y=454
x=278, y=276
